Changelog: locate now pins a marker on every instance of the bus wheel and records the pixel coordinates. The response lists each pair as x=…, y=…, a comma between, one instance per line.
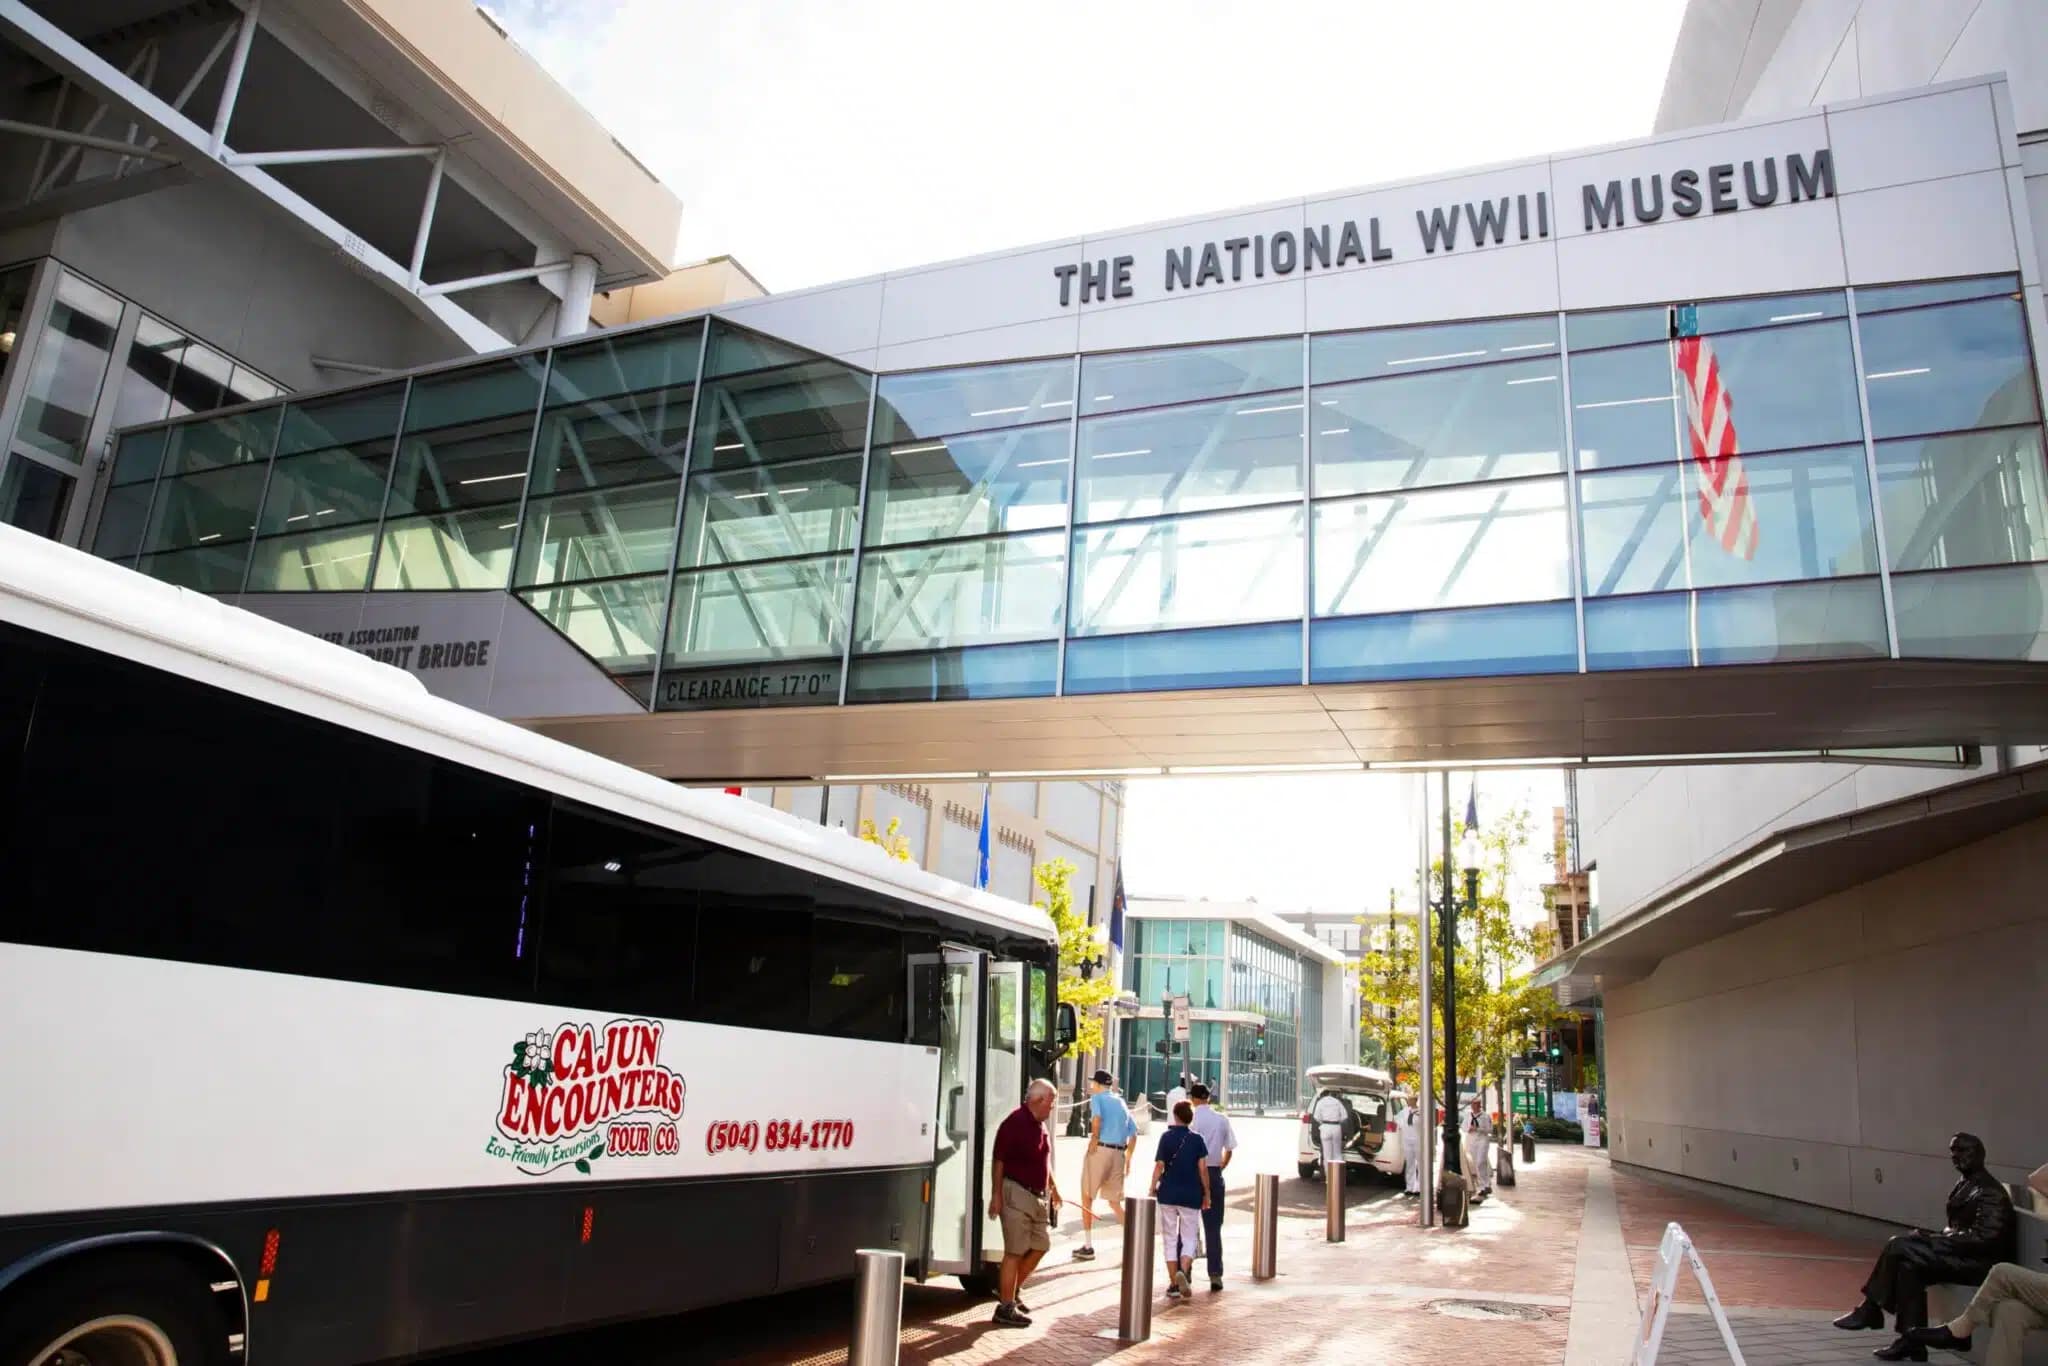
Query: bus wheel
x=116, y=1312
x=1309, y=1170
x=983, y=1283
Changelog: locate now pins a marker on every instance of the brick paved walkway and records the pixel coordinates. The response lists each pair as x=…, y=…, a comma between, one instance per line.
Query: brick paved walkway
x=1501, y=1291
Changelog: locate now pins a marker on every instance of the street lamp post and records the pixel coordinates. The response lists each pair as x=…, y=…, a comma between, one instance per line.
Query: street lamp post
x=1470, y=849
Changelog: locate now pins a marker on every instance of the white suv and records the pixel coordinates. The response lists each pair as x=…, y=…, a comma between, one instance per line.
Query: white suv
x=1370, y=1137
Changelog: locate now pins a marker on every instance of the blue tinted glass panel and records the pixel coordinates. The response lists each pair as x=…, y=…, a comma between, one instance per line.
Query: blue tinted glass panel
x=618, y=624
x=140, y=456
x=791, y=609
x=1208, y=455
x=1342, y=356
x=364, y=420
x=1617, y=327
x=1639, y=633
x=1450, y=547
x=1973, y=613
x=121, y=517
x=804, y=507
x=203, y=569
x=1870, y=300
x=1146, y=379
x=471, y=548
x=597, y=535
x=333, y=487
x=1631, y=530
x=1234, y=657
x=1805, y=515
x=1788, y=386
x=467, y=437
x=962, y=593
x=1963, y=500
x=618, y=411
x=955, y=675
x=1839, y=620
x=1623, y=406
x=769, y=416
x=200, y=509
x=1190, y=571
x=215, y=443
x=734, y=349
x=936, y=403
x=1540, y=638
x=1948, y=369
x=1447, y=427
x=1776, y=310
x=326, y=561
x=969, y=485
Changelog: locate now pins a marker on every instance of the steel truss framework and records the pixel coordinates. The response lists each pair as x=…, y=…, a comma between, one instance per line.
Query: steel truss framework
x=164, y=143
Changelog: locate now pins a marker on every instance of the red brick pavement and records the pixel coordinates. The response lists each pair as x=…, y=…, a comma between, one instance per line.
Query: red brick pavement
x=1368, y=1299
x=1755, y=1264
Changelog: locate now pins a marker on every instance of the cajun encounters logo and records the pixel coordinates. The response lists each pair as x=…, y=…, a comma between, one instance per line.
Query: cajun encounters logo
x=581, y=1093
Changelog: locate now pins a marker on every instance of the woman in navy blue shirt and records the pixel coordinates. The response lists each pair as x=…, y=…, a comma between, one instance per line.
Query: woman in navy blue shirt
x=1180, y=1183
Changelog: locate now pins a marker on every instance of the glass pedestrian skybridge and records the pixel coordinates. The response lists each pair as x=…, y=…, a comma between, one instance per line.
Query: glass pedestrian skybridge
x=1585, y=502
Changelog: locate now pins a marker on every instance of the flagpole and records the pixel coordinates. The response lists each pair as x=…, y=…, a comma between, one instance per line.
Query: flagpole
x=1425, y=1125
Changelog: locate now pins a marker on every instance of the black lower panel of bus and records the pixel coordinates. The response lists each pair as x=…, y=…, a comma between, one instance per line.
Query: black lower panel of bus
x=382, y=1277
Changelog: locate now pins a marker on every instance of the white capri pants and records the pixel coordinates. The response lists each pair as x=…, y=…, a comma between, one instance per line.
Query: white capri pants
x=1180, y=1232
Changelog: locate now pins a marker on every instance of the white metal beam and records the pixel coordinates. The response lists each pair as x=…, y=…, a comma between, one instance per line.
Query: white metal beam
x=245, y=36
x=313, y=156
x=500, y=277
x=52, y=45
x=98, y=144
x=427, y=207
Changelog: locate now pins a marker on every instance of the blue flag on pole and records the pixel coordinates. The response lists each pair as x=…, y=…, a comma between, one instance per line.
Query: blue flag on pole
x=981, y=867
x=1116, y=912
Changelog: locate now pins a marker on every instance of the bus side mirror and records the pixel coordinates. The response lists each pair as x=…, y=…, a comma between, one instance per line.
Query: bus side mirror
x=1066, y=1026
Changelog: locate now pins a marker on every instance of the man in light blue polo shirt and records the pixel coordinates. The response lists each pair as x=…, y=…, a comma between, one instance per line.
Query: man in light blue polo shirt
x=1221, y=1141
x=1111, y=1131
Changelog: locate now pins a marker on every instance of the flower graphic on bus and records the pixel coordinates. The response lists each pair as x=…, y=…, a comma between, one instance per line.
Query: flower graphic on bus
x=531, y=1058
x=576, y=1093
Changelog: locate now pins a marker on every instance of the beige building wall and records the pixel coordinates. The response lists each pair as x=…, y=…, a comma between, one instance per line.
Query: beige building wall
x=1827, y=1053
x=688, y=289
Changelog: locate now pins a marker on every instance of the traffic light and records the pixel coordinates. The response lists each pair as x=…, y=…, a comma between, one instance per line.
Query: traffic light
x=1556, y=1049
x=1259, y=1040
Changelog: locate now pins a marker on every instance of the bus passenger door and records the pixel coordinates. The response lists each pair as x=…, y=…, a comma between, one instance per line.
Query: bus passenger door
x=950, y=1214
x=1002, y=1067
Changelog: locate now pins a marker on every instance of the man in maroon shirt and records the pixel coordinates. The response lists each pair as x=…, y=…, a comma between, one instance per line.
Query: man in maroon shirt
x=1023, y=1196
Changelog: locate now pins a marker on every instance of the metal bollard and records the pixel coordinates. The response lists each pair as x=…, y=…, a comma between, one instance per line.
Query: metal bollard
x=1134, y=1303
x=877, y=1308
x=1333, y=1202
x=1265, y=1225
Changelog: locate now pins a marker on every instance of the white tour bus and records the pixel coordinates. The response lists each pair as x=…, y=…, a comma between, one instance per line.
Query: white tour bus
x=346, y=1023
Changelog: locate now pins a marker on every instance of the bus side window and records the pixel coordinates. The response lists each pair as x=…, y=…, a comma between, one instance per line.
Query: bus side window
x=619, y=934
x=856, y=980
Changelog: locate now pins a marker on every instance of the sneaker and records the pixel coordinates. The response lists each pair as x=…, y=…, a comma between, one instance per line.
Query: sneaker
x=1173, y=1291
x=1008, y=1316
x=1022, y=1307
x=1215, y=1282
x=1182, y=1282
x=1084, y=1253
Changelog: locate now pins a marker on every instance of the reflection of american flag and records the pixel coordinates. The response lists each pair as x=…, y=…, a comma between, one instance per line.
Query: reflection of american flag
x=1724, y=487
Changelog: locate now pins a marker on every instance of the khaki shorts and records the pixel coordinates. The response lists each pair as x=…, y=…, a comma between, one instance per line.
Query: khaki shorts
x=1104, y=1172
x=1027, y=1221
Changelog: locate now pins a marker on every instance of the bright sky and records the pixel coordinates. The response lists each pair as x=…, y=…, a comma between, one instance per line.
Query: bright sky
x=820, y=140
x=1334, y=842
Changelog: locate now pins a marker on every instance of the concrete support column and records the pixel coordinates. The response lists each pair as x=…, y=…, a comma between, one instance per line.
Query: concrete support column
x=572, y=318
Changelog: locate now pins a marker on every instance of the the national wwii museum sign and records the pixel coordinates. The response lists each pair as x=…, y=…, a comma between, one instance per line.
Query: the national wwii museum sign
x=1685, y=193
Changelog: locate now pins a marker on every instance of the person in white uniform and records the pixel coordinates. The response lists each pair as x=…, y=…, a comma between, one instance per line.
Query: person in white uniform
x=1409, y=1122
x=1479, y=1127
x=1329, y=1115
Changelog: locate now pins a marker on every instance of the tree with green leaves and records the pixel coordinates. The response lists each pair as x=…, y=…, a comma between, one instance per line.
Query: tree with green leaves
x=1079, y=942
x=1498, y=1008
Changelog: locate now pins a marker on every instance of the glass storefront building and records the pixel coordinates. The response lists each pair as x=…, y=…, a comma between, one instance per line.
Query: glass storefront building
x=1256, y=1002
x=723, y=519
x=78, y=362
